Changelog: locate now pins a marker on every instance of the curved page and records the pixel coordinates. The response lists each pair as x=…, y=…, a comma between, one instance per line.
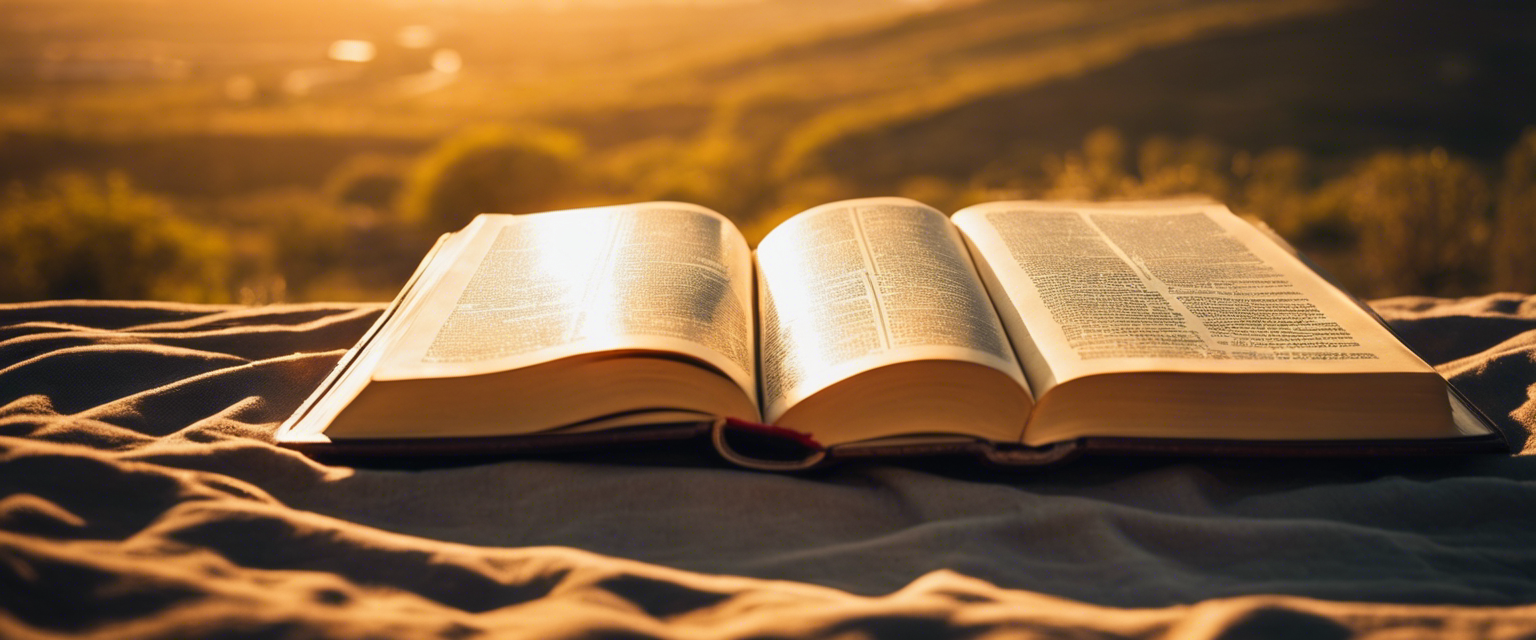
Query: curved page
x=1182, y=286
x=851, y=286
x=529, y=289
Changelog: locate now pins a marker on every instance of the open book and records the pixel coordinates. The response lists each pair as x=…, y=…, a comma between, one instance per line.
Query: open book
x=1024, y=332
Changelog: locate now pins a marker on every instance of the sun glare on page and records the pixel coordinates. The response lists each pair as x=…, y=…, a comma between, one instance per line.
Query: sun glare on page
x=568, y=253
x=795, y=308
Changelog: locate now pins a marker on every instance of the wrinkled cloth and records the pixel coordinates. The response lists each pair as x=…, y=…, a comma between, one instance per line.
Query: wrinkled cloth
x=141, y=496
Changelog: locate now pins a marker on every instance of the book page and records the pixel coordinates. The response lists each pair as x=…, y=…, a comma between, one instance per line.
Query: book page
x=528, y=289
x=850, y=286
x=1087, y=289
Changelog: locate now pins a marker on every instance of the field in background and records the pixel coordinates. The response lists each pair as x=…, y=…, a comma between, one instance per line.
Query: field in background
x=252, y=152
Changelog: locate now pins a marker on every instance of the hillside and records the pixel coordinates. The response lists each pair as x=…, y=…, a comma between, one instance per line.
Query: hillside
x=1336, y=85
x=1382, y=135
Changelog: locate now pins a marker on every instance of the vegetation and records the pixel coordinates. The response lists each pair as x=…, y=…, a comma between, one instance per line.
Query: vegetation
x=1378, y=137
x=490, y=169
x=1514, y=266
x=367, y=179
x=1415, y=221
x=102, y=238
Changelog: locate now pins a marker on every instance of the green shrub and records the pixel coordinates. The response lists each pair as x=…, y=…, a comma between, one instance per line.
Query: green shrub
x=1422, y=219
x=490, y=170
x=720, y=167
x=664, y=169
x=367, y=179
x=1514, y=247
x=77, y=236
x=932, y=191
x=1098, y=173
x=289, y=240
x=1275, y=188
x=1195, y=167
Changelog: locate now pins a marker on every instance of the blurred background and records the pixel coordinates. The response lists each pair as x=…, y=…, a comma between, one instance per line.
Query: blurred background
x=290, y=150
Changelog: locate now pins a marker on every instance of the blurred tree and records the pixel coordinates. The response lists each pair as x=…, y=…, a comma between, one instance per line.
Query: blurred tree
x=1097, y=173
x=77, y=236
x=1275, y=188
x=490, y=170
x=664, y=169
x=1422, y=220
x=1156, y=154
x=1104, y=151
x=717, y=168
x=1514, y=247
x=1195, y=167
x=296, y=238
x=932, y=191
x=368, y=179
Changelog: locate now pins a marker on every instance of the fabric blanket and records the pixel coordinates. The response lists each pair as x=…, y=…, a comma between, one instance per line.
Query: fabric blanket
x=140, y=496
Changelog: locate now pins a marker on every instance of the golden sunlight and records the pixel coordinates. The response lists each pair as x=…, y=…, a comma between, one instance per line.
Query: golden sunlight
x=352, y=51
x=303, y=141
